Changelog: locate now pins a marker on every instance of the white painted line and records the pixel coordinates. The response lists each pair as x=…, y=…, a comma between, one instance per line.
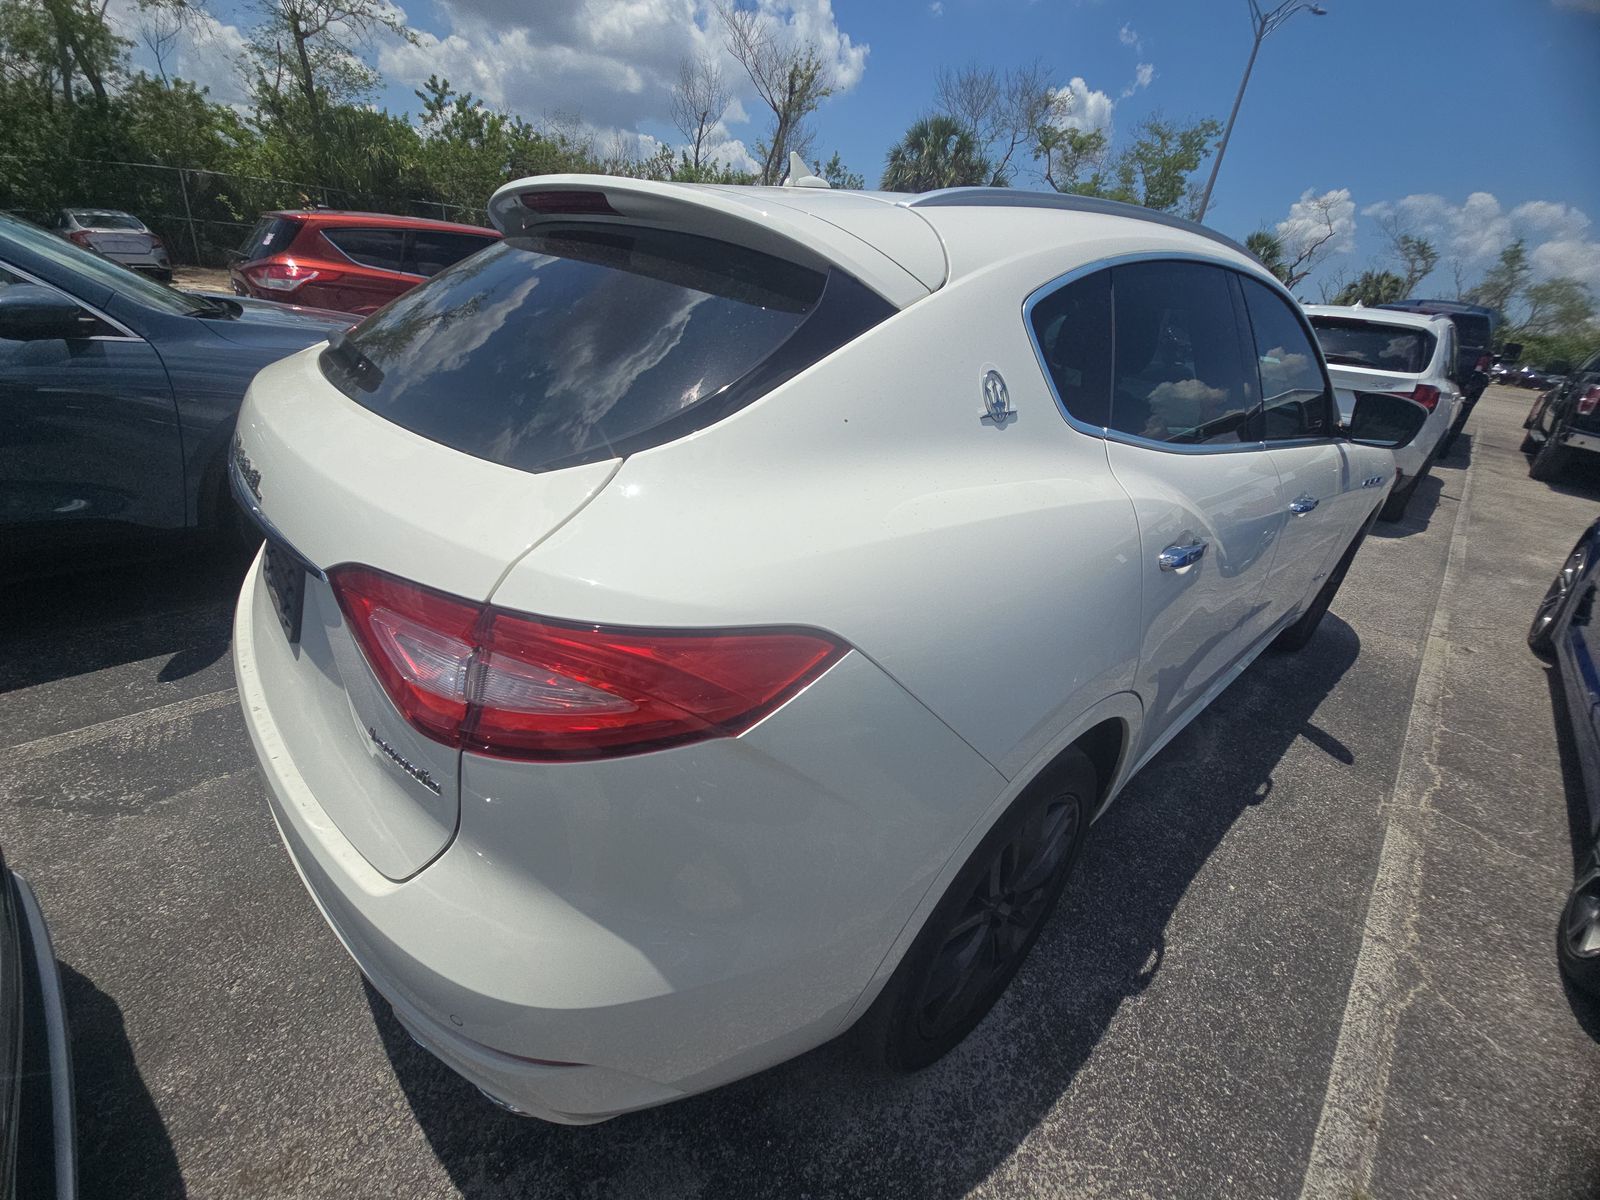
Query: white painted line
x=134, y=730
x=1344, y=1150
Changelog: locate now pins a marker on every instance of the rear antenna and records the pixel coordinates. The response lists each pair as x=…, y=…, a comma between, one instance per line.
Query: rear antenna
x=800, y=175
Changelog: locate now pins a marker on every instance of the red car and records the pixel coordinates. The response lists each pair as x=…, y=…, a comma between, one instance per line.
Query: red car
x=352, y=261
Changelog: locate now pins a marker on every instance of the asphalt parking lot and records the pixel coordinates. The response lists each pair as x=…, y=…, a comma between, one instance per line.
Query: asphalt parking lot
x=1309, y=953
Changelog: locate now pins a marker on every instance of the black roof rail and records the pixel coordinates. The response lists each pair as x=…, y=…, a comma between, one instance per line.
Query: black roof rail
x=1004, y=197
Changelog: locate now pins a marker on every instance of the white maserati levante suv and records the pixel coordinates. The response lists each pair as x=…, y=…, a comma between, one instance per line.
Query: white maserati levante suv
x=710, y=618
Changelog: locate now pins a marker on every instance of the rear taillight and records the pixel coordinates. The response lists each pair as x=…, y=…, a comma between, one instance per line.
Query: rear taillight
x=1483, y=364
x=286, y=276
x=1587, y=401
x=1424, y=394
x=518, y=686
x=79, y=237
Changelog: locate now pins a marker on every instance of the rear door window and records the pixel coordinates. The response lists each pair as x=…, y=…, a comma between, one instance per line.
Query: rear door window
x=585, y=342
x=1179, y=373
x=432, y=250
x=1296, y=401
x=1072, y=326
x=382, y=249
x=1402, y=349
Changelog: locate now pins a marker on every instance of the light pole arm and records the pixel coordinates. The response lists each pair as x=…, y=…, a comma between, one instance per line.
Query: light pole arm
x=1216, y=163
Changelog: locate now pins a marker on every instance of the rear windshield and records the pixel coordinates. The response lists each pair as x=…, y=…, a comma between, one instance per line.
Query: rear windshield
x=1398, y=348
x=585, y=342
x=100, y=218
x=270, y=235
x=1473, y=330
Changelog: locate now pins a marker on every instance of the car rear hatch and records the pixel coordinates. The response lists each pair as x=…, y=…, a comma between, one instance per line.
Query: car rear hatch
x=112, y=242
x=450, y=433
x=334, y=483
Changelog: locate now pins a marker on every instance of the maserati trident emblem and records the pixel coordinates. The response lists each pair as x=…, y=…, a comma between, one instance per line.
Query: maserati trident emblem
x=996, y=399
x=248, y=473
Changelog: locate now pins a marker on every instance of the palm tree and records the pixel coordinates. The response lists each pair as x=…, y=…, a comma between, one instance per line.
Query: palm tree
x=1268, y=247
x=936, y=152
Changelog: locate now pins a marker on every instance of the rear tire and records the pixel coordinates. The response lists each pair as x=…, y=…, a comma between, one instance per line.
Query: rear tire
x=1394, y=508
x=980, y=932
x=1540, y=640
x=1551, y=460
x=1578, y=935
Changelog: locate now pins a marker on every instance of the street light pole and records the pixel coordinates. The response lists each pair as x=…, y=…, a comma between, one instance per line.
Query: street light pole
x=1263, y=24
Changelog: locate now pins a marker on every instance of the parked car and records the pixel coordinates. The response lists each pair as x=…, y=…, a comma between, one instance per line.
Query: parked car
x=1531, y=377
x=711, y=617
x=1563, y=420
x=1407, y=354
x=1560, y=636
x=350, y=261
x=117, y=397
x=120, y=236
x=38, y=1146
x=1475, y=329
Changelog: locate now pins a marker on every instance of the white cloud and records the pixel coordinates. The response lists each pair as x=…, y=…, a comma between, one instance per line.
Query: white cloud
x=201, y=48
x=1085, y=108
x=1129, y=36
x=1311, y=217
x=936, y=8
x=611, y=62
x=1559, y=237
x=1142, y=76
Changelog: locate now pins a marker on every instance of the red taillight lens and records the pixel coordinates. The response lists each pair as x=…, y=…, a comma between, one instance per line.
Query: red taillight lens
x=1426, y=395
x=1483, y=364
x=1587, y=401
x=567, y=202
x=79, y=237
x=517, y=686
x=286, y=276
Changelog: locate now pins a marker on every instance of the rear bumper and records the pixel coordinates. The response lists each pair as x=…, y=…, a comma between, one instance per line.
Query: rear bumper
x=1581, y=441
x=671, y=921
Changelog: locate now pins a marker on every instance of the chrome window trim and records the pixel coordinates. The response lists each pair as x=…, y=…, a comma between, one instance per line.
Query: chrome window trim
x=1106, y=433
x=127, y=334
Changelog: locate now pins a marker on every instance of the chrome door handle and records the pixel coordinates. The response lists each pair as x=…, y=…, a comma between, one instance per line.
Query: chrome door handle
x=1177, y=557
x=1303, y=504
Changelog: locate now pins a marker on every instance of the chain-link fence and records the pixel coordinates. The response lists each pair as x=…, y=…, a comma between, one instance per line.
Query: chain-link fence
x=203, y=215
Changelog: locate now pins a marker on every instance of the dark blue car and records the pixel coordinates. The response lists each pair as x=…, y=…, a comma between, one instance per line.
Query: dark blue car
x=118, y=396
x=1564, y=634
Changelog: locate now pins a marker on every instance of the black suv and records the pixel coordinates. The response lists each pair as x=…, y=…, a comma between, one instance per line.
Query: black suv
x=1475, y=328
x=1564, y=419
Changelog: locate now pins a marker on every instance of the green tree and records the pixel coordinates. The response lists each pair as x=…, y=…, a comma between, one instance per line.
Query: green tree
x=1557, y=307
x=1505, y=280
x=840, y=176
x=1154, y=170
x=1418, y=256
x=1373, y=287
x=1268, y=247
x=936, y=152
x=789, y=75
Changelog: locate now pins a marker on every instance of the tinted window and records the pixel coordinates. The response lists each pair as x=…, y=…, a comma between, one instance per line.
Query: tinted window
x=270, y=236
x=433, y=250
x=1295, y=399
x=1073, y=325
x=585, y=342
x=105, y=218
x=1178, y=373
x=383, y=249
x=1351, y=343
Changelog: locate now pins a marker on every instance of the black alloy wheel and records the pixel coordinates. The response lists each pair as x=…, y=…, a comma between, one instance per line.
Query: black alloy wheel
x=1578, y=937
x=981, y=931
x=1540, y=639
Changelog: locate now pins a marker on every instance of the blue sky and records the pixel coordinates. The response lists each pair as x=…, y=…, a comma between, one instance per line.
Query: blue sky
x=1484, y=113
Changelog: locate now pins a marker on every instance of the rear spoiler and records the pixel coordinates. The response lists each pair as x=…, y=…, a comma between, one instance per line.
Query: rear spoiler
x=813, y=227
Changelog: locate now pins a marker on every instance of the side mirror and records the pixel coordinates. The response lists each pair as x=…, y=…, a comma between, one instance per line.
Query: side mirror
x=1380, y=419
x=30, y=313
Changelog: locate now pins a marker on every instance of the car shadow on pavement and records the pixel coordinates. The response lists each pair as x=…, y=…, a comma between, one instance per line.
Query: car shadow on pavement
x=827, y=1124
x=56, y=626
x=123, y=1146
x=1419, y=513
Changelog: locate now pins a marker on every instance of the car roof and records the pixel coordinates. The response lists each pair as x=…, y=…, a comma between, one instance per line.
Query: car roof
x=1379, y=316
x=1445, y=307
x=903, y=246
x=368, y=220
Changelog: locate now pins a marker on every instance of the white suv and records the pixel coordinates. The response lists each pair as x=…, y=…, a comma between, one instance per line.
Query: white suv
x=1412, y=355
x=712, y=615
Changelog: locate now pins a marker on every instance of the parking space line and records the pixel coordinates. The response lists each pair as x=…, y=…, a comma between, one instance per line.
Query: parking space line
x=1344, y=1149
x=126, y=727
